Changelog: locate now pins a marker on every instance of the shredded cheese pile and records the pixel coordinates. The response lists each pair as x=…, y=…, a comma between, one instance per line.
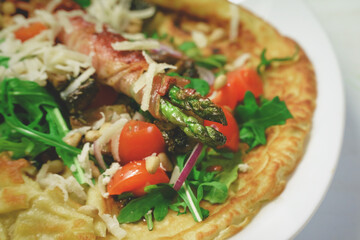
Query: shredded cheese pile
x=38, y=57
x=66, y=185
x=146, y=44
x=117, y=13
x=234, y=22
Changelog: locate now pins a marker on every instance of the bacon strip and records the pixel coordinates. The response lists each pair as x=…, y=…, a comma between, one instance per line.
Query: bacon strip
x=117, y=69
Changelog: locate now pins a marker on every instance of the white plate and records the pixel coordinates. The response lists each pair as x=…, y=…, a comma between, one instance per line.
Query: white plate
x=287, y=215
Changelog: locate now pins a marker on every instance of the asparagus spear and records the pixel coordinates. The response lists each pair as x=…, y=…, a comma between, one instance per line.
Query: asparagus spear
x=191, y=125
x=191, y=100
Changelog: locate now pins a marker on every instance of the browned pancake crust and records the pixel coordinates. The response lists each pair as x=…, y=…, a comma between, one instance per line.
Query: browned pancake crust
x=271, y=165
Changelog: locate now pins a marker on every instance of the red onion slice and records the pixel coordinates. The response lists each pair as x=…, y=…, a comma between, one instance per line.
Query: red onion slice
x=188, y=166
x=98, y=155
x=206, y=75
x=115, y=146
x=169, y=50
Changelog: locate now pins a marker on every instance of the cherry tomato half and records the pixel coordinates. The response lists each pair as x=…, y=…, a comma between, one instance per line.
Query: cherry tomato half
x=133, y=177
x=231, y=131
x=138, y=140
x=238, y=83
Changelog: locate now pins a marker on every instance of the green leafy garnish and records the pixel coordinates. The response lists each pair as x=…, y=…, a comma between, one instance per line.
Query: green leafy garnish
x=264, y=62
x=158, y=199
x=33, y=114
x=4, y=61
x=254, y=119
x=24, y=148
x=192, y=51
x=149, y=220
x=192, y=203
x=201, y=86
x=157, y=36
x=229, y=167
x=83, y=3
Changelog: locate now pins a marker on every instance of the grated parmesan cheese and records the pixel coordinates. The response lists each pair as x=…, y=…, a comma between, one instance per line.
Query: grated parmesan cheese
x=136, y=45
x=113, y=225
x=77, y=82
x=51, y=181
x=133, y=36
x=52, y=5
x=33, y=59
x=243, y=167
x=117, y=13
x=234, y=22
x=84, y=162
x=105, y=178
x=199, y=39
x=239, y=62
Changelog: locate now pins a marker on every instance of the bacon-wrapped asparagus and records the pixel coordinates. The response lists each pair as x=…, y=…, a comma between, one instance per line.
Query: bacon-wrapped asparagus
x=122, y=69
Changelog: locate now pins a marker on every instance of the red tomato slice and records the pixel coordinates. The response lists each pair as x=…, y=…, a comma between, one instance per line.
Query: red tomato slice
x=231, y=131
x=25, y=33
x=139, y=140
x=238, y=83
x=133, y=177
x=246, y=79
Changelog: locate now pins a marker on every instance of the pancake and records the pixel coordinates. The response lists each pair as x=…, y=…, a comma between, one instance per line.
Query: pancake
x=270, y=165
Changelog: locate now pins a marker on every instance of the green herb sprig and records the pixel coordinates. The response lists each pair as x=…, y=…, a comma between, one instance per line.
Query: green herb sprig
x=83, y=3
x=192, y=51
x=264, y=62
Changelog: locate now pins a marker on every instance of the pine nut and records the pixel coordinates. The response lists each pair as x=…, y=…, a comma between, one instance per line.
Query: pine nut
x=217, y=35
x=74, y=139
x=220, y=81
x=55, y=166
x=94, y=170
x=152, y=164
x=165, y=162
x=203, y=27
x=8, y=8
x=92, y=136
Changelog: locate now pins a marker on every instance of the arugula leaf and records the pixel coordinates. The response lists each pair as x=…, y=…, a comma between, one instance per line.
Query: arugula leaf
x=211, y=62
x=201, y=86
x=264, y=62
x=214, y=192
x=229, y=172
x=192, y=51
x=24, y=148
x=158, y=198
x=83, y=3
x=254, y=119
x=4, y=61
x=25, y=106
x=192, y=202
x=156, y=36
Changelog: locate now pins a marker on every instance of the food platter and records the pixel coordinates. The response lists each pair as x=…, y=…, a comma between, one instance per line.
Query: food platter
x=287, y=215
x=280, y=219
